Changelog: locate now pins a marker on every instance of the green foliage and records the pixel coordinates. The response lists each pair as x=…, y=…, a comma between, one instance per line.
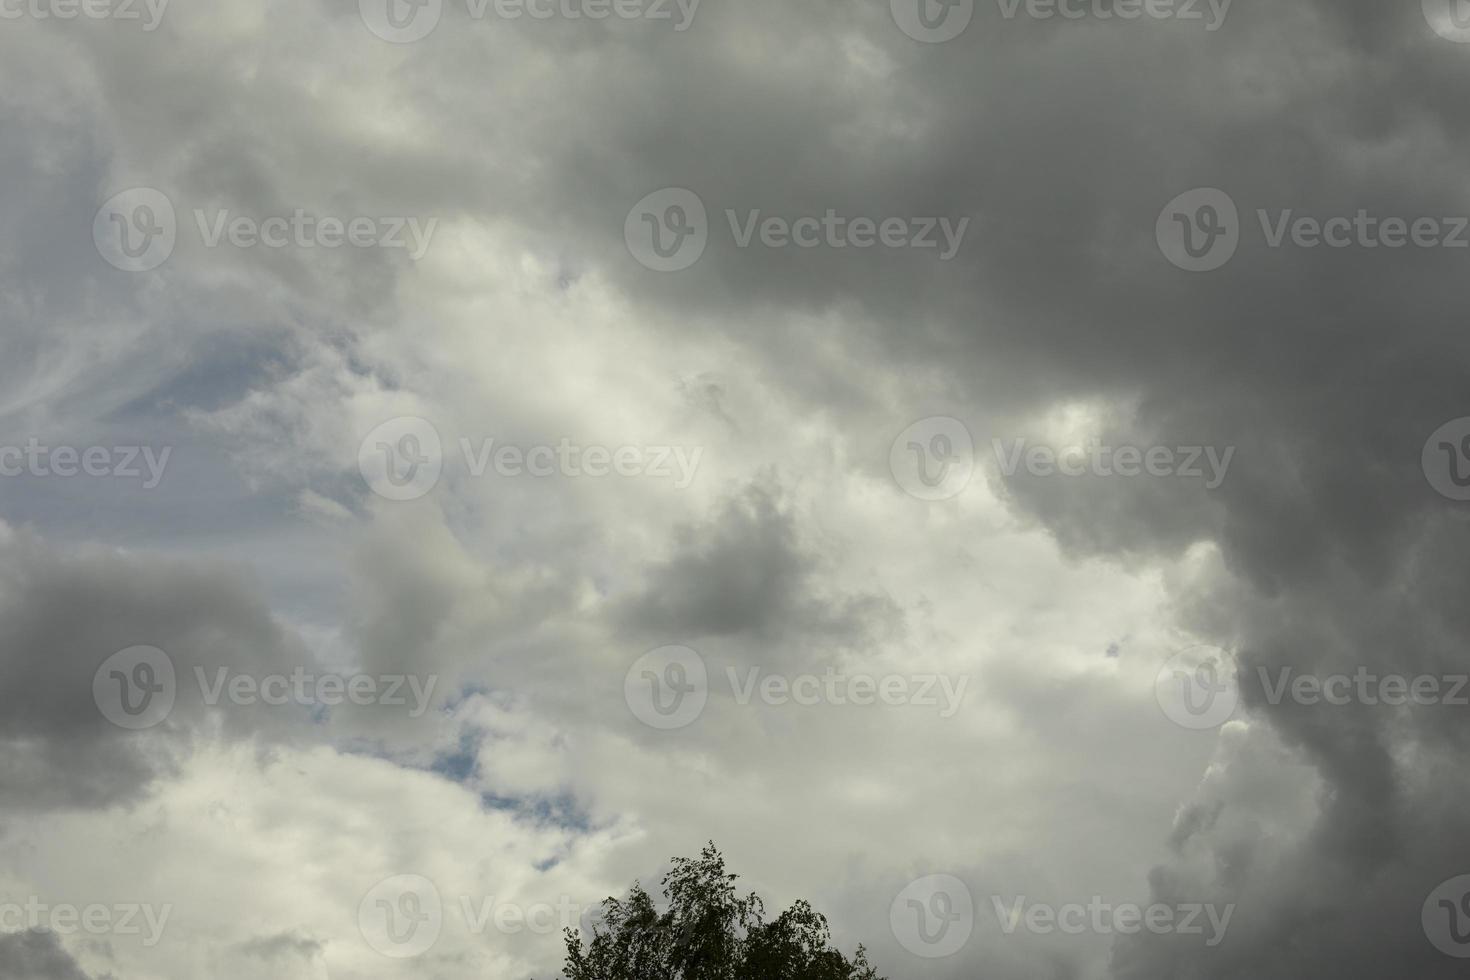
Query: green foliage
x=708, y=932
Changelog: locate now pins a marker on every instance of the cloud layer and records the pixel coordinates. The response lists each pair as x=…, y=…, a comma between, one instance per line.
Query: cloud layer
x=796, y=465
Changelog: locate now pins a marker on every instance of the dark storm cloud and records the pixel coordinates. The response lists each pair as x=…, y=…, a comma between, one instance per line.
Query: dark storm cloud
x=1325, y=369
x=62, y=615
x=747, y=572
x=36, y=955
x=1061, y=141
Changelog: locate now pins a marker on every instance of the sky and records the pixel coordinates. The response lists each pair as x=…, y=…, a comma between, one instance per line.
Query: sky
x=997, y=469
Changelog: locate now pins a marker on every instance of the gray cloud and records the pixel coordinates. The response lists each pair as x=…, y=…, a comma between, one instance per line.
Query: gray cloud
x=747, y=572
x=36, y=955
x=64, y=614
x=1325, y=370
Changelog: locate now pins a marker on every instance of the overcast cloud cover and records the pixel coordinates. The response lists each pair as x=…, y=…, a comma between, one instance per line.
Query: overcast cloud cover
x=1000, y=534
